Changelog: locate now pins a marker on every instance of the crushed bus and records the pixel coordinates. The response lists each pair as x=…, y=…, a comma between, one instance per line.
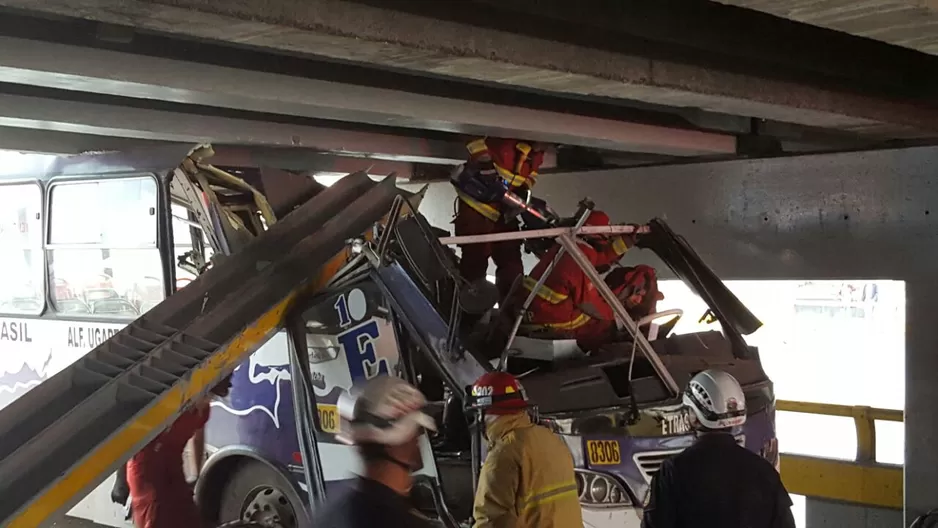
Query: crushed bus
x=100, y=239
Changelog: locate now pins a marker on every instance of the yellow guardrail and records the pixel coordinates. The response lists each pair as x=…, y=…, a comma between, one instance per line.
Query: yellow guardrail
x=862, y=480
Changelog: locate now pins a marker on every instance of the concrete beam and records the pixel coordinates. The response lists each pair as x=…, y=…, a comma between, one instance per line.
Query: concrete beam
x=385, y=38
x=909, y=23
x=67, y=67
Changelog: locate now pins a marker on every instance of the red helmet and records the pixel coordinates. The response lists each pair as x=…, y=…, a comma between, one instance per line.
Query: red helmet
x=642, y=279
x=597, y=218
x=498, y=393
x=643, y=276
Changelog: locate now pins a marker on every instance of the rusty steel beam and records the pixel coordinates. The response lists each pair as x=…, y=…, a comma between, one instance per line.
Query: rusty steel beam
x=297, y=159
x=98, y=119
x=41, y=141
x=306, y=160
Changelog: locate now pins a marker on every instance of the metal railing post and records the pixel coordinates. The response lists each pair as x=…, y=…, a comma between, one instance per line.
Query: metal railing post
x=866, y=434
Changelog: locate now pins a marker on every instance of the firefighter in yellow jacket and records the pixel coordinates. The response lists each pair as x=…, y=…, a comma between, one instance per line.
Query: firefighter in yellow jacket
x=527, y=480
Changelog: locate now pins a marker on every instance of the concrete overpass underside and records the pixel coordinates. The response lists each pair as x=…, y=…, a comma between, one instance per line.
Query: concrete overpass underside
x=684, y=66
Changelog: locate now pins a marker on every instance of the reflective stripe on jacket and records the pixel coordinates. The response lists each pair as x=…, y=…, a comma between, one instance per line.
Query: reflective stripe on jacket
x=503, y=154
x=527, y=480
x=508, y=158
x=559, y=301
x=490, y=211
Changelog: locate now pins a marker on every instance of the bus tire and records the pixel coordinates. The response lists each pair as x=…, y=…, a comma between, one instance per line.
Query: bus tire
x=254, y=491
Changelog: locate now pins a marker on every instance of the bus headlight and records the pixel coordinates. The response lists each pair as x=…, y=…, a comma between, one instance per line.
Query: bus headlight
x=599, y=490
x=595, y=489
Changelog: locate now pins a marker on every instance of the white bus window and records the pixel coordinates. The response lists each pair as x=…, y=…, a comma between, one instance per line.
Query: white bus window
x=825, y=342
x=21, y=265
x=184, y=241
x=103, y=259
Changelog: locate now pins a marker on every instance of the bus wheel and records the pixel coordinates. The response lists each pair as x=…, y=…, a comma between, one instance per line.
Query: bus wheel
x=255, y=493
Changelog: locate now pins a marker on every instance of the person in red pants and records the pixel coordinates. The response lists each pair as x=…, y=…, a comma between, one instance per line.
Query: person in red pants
x=160, y=495
x=568, y=305
x=517, y=164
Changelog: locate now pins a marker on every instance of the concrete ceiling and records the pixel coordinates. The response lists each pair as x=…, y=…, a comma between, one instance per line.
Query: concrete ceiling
x=909, y=23
x=596, y=58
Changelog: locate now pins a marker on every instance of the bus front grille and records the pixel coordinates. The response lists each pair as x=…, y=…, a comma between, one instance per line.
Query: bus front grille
x=649, y=462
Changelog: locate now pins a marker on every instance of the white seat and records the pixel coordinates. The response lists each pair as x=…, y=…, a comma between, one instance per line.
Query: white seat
x=565, y=349
x=544, y=349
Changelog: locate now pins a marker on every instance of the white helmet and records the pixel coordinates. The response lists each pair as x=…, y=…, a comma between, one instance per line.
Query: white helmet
x=385, y=410
x=717, y=400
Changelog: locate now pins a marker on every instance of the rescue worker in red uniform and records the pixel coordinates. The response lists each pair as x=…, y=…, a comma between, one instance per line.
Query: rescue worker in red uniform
x=527, y=479
x=568, y=305
x=517, y=163
x=160, y=495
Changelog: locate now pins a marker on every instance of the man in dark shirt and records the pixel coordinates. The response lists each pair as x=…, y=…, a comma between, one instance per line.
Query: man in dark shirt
x=716, y=482
x=385, y=420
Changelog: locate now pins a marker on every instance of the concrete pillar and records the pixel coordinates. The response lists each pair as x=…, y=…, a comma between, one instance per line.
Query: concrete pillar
x=921, y=395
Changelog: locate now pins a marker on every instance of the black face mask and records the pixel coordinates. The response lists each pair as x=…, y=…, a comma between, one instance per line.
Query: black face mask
x=384, y=455
x=413, y=466
x=417, y=464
